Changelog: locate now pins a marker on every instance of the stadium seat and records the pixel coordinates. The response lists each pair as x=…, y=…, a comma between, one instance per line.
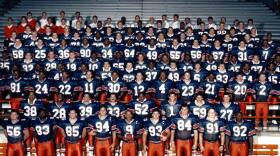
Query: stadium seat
x=266, y=149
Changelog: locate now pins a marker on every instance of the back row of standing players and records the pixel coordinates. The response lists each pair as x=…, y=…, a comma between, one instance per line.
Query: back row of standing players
x=137, y=127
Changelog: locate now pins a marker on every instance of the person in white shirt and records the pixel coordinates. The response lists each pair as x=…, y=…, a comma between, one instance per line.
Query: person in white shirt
x=165, y=23
x=211, y=23
x=93, y=23
x=43, y=20
x=62, y=16
x=176, y=23
x=134, y=24
x=188, y=22
x=151, y=22
x=108, y=23
x=74, y=21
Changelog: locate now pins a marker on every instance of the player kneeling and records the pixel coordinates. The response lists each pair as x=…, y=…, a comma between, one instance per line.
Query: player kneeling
x=184, y=132
x=129, y=129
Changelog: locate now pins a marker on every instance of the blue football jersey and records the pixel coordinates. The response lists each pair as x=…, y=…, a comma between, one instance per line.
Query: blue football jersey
x=211, y=89
x=200, y=111
x=30, y=111
x=135, y=87
x=133, y=128
x=240, y=132
x=155, y=130
x=103, y=127
x=42, y=89
x=116, y=110
x=58, y=111
x=73, y=132
x=211, y=129
x=171, y=110
x=262, y=91
x=227, y=112
x=114, y=86
x=184, y=126
x=44, y=130
x=162, y=88
x=87, y=110
x=142, y=109
x=14, y=130
x=187, y=89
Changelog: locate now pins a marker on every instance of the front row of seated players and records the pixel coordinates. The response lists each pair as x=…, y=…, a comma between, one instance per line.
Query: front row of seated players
x=137, y=128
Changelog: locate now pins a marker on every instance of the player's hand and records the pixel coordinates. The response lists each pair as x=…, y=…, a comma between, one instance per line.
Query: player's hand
x=163, y=138
x=112, y=147
x=194, y=147
x=92, y=132
x=202, y=148
x=173, y=146
x=144, y=150
x=221, y=148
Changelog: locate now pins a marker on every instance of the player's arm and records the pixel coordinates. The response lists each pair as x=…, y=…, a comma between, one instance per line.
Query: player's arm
x=195, y=139
x=201, y=141
x=114, y=138
x=172, y=139
x=84, y=133
x=25, y=133
x=144, y=137
x=166, y=135
x=222, y=141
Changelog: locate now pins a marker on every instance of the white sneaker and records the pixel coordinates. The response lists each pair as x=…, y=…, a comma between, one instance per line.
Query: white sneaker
x=274, y=122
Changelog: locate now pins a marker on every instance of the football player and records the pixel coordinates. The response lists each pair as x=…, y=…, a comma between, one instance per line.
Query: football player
x=184, y=132
x=58, y=110
x=211, y=88
x=103, y=129
x=30, y=108
x=155, y=134
x=172, y=106
x=74, y=131
x=239, y=136
x=162, y=86
x=262, y=91
x=227, y=109
x=17, y=87
x=90, y=85
x=87, y=107
x=139, y=85
x=142, y=106
x=211, y=135
x=44, y=130
x=129, y=130
x=200, y=107
x=42, y=87
x=16, y=131
x=239, y=89
x=187, y=87
x=114, y=107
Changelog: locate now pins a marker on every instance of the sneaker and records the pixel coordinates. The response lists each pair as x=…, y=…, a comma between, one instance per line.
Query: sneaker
x=274, y=122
